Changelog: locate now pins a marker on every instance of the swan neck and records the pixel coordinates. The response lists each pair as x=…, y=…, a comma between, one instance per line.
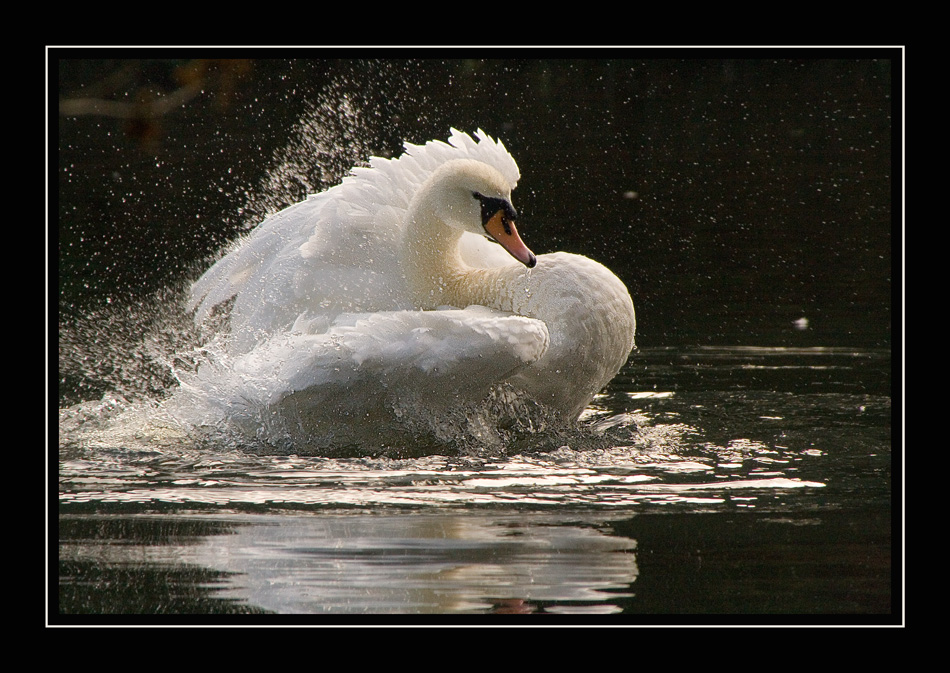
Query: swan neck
x=431, y=258
x=435, y=272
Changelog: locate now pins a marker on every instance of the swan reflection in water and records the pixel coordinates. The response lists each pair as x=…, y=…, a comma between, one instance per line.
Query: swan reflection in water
x=398, y=298
x=421, y=563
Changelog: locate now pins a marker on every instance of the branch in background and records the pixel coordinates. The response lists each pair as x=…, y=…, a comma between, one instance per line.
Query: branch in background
x=143, y=107
x=146, y=104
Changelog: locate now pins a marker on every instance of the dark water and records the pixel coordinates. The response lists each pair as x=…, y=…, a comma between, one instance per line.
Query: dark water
x=740, y=465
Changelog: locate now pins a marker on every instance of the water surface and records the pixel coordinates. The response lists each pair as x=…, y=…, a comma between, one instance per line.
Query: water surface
x=761, y=498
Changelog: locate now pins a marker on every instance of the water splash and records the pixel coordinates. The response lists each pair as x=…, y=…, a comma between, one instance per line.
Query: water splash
x=329, y=139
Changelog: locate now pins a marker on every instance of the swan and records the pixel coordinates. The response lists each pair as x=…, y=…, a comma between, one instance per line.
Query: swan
x=409, y=283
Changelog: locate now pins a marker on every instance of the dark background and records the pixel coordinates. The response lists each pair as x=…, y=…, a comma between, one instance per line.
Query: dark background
x=733, y=192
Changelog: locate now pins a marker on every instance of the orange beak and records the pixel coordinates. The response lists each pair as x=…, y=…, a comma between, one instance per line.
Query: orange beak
x=503, y=230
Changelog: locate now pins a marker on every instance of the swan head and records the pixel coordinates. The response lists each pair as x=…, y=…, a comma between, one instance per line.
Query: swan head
x=471, y=196
x=498, y=221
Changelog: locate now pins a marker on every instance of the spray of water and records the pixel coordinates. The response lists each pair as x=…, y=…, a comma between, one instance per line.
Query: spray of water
x=127, y=359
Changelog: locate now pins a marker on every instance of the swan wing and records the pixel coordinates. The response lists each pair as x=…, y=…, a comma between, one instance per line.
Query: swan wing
x=453, y=352
x=366, y=367
x=249, y=255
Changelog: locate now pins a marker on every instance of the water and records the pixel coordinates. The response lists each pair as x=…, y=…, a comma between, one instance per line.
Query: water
x=761, y=498
x=739, y=466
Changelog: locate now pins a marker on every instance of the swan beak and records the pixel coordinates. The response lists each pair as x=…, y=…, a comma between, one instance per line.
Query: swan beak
x=503, y=230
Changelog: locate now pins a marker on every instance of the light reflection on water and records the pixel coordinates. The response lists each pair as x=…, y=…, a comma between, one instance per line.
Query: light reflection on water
x=614, y=478
x=661, y=464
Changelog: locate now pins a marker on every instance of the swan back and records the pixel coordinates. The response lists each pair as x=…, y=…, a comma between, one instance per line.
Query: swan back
x=590, y=317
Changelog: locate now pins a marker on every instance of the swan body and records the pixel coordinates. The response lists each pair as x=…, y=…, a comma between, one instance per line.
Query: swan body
x=385, y=290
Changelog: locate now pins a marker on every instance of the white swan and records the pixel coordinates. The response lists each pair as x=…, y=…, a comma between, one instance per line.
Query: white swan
x=384, y=290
